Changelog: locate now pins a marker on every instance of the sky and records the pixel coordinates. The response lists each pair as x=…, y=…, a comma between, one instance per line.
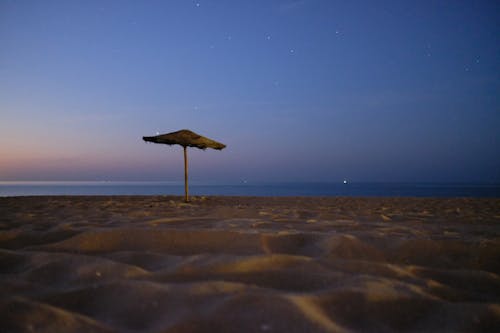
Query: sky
x=308, y=90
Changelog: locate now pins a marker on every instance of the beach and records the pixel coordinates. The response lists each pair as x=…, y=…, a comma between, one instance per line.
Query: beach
x=249, y=264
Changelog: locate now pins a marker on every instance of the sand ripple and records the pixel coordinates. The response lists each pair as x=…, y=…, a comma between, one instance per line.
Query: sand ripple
x=152, y=264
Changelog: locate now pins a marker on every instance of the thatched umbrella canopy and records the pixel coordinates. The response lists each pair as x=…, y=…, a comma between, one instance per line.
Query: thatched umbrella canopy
x=185, y=138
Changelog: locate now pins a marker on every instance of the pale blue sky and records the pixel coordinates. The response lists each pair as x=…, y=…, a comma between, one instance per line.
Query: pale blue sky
x=298, y=90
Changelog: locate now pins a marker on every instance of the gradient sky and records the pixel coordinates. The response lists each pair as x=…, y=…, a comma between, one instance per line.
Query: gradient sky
x=298, y=90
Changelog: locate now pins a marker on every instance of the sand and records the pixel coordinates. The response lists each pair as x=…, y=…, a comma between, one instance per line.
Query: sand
x=248, y=264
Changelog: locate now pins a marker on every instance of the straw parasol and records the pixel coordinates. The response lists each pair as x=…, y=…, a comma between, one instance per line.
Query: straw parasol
x=185, y=138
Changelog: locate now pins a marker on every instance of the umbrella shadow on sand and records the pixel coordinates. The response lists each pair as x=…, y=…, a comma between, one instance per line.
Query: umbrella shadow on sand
x=185, y=138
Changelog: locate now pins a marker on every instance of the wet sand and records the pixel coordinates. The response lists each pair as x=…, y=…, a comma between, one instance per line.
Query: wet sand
x=249, y=264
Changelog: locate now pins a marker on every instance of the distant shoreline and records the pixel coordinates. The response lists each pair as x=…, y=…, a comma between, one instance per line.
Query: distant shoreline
x=351, y=189
x=201, y=198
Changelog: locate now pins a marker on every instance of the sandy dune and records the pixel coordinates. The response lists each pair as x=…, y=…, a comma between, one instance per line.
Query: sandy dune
x=242, y=264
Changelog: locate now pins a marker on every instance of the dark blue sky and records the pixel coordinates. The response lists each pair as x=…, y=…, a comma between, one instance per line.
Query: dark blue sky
x=298, y=90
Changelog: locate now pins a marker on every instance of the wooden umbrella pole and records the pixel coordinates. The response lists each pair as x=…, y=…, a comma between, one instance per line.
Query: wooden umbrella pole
x=186, y=197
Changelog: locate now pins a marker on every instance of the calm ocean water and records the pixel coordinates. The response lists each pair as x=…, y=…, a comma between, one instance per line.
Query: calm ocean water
x=257, y=189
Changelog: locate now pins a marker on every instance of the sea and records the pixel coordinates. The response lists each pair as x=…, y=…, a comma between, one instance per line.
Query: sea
x=328, y=189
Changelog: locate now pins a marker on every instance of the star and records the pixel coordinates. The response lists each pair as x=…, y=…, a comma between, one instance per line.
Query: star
x=292, y=51
x=268, y=37
x=197, y=4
